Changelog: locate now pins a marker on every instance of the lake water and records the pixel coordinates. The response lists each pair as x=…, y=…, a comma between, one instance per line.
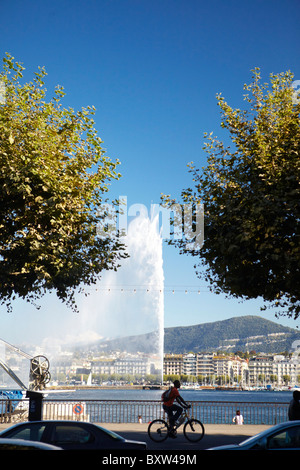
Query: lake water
x=188, y=395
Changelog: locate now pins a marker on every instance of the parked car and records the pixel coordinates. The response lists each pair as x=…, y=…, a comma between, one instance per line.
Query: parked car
x=70, y=435
x=284, y=436
x=20, y=444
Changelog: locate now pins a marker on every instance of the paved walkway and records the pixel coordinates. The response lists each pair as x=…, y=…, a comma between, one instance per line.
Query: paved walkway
x=215, y=435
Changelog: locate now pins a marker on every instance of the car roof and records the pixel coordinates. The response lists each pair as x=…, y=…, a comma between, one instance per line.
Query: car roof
x=63, y=422
x=25, y=443
x=48, y=421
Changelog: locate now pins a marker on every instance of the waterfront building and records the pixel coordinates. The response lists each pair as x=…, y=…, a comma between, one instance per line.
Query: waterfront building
x=230, y=367
x=277, y=369
x=189, y=365
x=103, y=367
x=132, y=366
x=205, y=365
x=173, y=364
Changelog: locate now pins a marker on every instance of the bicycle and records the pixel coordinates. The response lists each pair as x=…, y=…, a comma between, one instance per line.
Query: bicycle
x=193, y=429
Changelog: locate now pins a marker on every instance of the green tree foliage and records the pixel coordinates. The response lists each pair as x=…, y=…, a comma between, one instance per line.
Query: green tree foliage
x=53, y=177
x=250, y=192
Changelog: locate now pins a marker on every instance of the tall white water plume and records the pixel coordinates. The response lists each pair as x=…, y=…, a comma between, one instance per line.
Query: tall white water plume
x=130, y=301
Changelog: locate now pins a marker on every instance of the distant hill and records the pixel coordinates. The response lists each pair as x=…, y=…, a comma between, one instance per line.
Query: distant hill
x=246, y=333
x=238, y=333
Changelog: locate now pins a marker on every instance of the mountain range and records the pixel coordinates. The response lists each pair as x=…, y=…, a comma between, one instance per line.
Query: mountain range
x=245, y=333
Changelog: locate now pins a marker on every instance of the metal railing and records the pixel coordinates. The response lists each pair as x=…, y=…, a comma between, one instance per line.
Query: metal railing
x=129, y=411
x=253, y=413
x=12, y=411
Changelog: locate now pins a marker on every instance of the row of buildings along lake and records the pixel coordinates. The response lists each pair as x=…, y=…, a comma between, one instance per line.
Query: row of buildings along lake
x=277, y=369
x=207, y=368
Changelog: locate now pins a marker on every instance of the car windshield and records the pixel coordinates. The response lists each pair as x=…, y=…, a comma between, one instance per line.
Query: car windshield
x=289, y=437
x=112, y=434
x=249, y=440
x=33, y=432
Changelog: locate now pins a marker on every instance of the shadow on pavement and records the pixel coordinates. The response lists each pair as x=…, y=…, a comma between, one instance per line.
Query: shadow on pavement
x=181, y=443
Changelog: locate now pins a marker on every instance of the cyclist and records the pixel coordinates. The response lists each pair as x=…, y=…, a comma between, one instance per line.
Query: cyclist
x=174, y=411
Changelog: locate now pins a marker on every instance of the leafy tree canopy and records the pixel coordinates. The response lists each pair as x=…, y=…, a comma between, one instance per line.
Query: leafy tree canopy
x=250, y=192
x=53, y=177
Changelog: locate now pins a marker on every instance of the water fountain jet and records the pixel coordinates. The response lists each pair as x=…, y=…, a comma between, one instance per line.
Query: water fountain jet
x=130, y=301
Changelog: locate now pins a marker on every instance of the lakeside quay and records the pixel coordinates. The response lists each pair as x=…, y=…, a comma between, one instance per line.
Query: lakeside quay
x=126, y=405
x=215, y=435
x=210, y=407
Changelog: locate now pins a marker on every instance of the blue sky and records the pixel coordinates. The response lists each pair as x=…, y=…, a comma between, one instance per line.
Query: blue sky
x=152, y=69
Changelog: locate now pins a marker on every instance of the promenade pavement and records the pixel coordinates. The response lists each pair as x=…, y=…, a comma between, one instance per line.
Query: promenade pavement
x=215, y=435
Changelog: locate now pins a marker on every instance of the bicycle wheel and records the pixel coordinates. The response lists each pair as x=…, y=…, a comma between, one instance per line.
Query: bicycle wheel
x=193, y=430
x=158, y=430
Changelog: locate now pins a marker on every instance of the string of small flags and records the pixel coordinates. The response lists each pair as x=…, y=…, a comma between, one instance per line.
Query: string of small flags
x=149, y=289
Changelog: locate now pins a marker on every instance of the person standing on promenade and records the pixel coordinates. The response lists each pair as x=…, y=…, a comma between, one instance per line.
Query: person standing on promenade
x=238, y=419
x=294, y=407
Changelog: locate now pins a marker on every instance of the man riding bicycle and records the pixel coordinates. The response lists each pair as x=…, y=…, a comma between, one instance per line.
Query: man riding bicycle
x=174, y=411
